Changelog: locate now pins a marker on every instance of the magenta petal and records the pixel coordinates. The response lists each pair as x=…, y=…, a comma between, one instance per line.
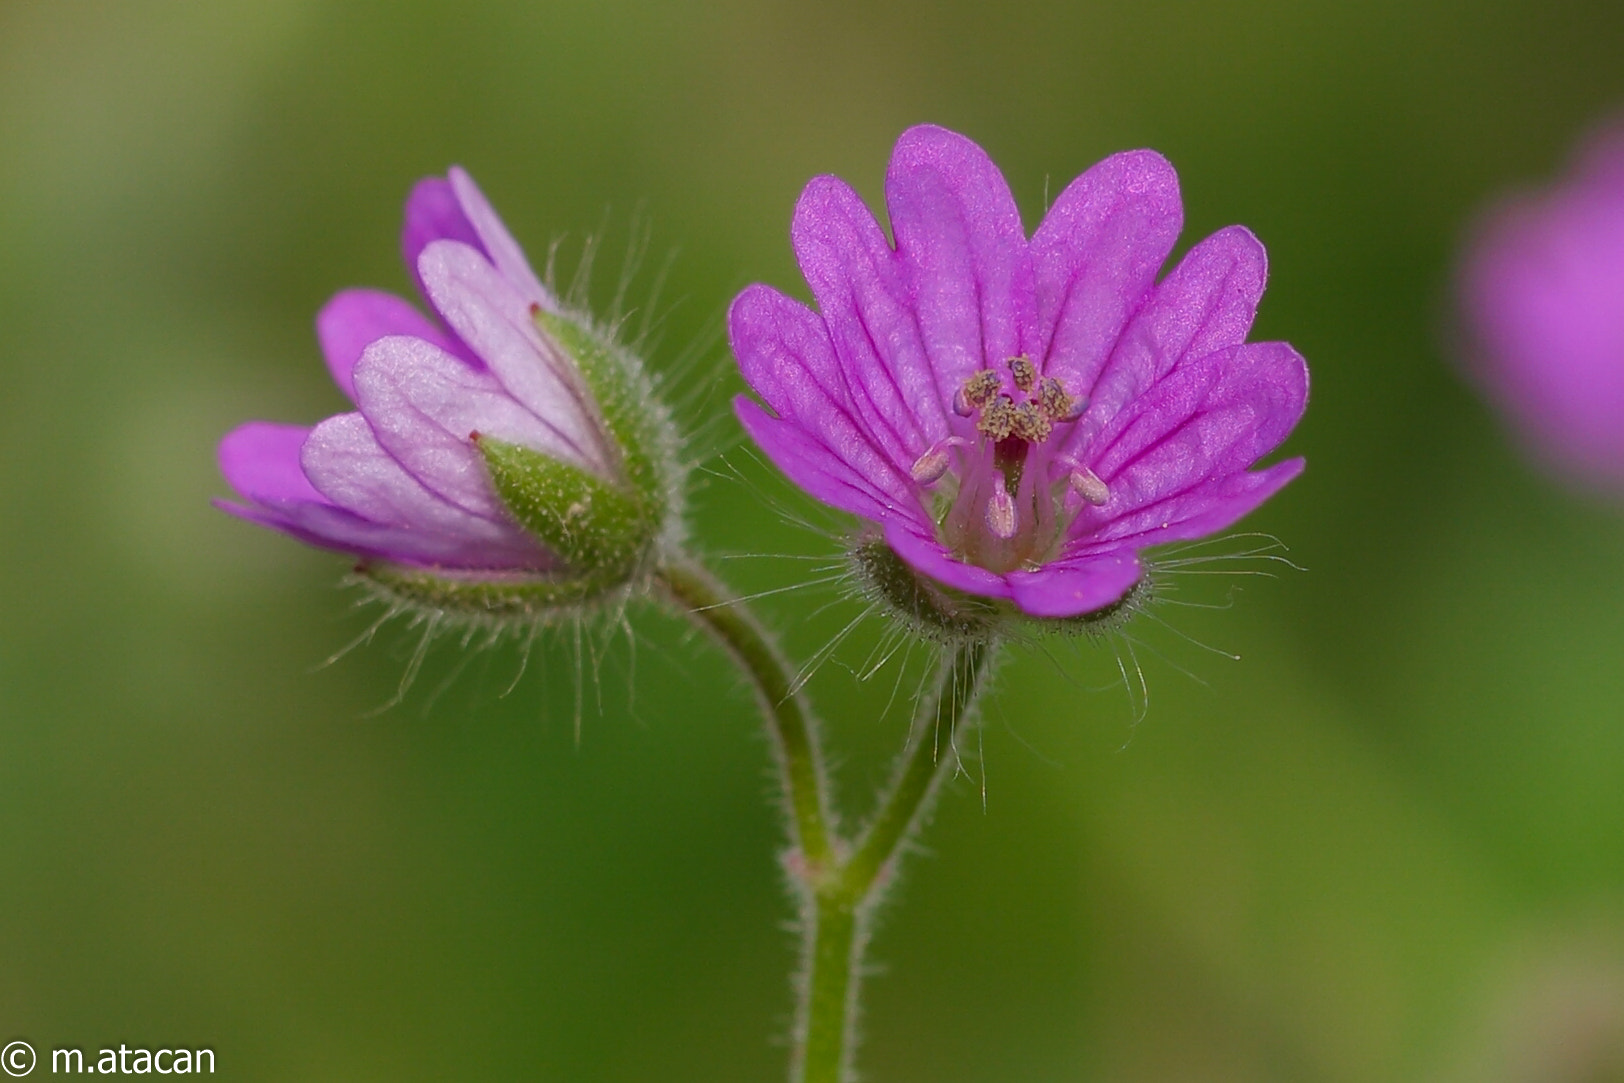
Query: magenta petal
x=1095, y=257
x=875, y=414
x=1071, y=588
x=355, y=319
x=1207, y=304
x=817, y=469
x=335, y=528
x=261, y=461
x=963, y=254
x=1207, y=419
x=925, y=554
x=1542, y=290
x=433, y=213
x=786, y=356
x=854, y=278
x=1195, y=513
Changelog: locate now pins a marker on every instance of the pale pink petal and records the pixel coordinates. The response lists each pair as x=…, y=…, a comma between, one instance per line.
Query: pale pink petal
x=497, y=323
x=424, y=406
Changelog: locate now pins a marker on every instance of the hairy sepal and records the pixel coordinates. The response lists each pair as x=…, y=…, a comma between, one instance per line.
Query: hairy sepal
x=494, y=598
x=933, y=610
x=601, y=530
x=638, y=426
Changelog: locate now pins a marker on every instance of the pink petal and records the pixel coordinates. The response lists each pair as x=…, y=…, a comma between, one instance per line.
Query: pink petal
x=786, y=356
x=424, y=405
x=817, y=469
x=1206, y=304
x=855, y=279
x=963, y=254
x=1071, y=588
x=355, y=319
x=927, y=555
x=496, y=322
x=261, y=461
x=1195, y=513
x=344, y=460
x=498, y=244
x=1095, y=257
x=1206, y=420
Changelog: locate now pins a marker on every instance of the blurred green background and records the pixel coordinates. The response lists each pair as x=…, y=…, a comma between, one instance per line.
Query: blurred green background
x=1386, y=844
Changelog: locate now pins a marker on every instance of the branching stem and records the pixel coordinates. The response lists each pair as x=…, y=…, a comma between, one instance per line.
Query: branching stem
x=840, y=882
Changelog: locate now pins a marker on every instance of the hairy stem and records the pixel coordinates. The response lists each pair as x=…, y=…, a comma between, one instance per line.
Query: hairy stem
x=845, y=899
x=800, y=758
x=934, y=756
x=840, y=882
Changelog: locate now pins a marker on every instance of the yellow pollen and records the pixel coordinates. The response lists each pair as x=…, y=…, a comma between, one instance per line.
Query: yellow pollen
x=980, y=390
x=998, y=418
x=1025, y=373
x=1053, y=400
x=1030, y=424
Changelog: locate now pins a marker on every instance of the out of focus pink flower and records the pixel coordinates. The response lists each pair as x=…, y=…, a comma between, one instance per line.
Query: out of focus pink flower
x=1542, y=293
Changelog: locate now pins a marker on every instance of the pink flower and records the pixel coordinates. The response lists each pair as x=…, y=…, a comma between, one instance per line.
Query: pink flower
x=403, y=479
x=1019, y=417
x=1542, y=292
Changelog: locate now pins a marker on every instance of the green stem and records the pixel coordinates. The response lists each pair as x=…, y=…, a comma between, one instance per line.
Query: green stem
x=845, y=900
x=800, y=760
x=840, y=883
x=934, y=755
x=828, y=1009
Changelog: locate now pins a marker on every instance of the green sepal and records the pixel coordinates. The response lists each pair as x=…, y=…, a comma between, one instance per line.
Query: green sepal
x=628, y=410
x=479, y=596
x=937, y=611
x=600, y=530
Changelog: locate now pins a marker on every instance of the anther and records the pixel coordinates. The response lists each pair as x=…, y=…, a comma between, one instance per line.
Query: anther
x=1088, y=485
x=1001, y=512
x=997, y=418
x=1030, y=424
x=929, y=467
x=977, y=393
x=1056, y=404
x=1025, y=373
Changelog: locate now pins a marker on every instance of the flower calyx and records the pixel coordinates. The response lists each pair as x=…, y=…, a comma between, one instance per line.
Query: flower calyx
x=935, y=611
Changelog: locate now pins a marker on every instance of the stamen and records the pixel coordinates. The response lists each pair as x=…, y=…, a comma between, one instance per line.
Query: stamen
x=929, y=467
x=1030, y=424
x=1088, y=485
x=1025, y=373
x=997, y=418
x=1056, y=404
x=1001, y=512
x=978, y=392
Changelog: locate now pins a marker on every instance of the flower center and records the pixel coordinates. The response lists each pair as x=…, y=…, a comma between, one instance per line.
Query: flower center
x=1003, y=498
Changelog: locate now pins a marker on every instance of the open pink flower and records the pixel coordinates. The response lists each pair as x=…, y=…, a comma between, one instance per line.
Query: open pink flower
x=1542, y=291
x=1020, y=416
x=402, y=478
